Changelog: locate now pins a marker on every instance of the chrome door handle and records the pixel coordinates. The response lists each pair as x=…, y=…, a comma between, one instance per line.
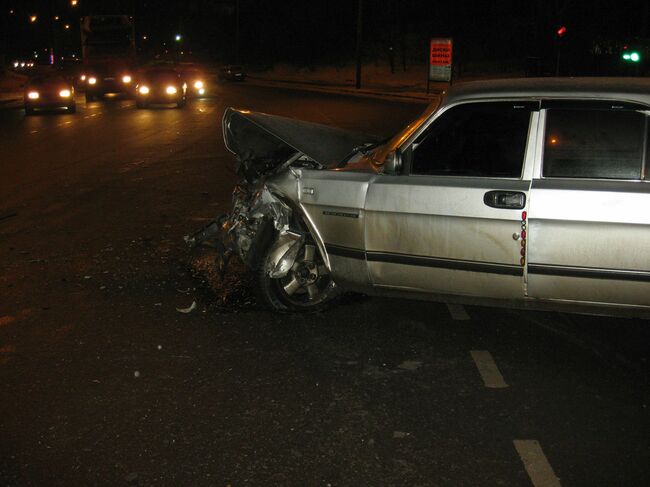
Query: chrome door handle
x=511, y=200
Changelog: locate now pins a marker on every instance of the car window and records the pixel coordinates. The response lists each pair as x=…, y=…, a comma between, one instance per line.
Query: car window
x=598, y=144
x=475, y=139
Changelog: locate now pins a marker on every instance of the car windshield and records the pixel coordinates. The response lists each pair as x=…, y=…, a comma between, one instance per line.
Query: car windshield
x=381, y=151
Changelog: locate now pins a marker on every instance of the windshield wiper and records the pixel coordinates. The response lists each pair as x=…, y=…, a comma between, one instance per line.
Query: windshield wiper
x=361, y=149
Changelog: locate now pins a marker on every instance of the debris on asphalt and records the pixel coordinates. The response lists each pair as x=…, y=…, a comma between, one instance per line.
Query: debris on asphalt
x=410, y=365
x=401, y=434
x=187, y=310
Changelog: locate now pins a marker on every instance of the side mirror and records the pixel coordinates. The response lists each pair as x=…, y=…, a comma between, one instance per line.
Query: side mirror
x=393, y=162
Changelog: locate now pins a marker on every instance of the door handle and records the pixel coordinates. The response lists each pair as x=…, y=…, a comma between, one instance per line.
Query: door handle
x=511, y=200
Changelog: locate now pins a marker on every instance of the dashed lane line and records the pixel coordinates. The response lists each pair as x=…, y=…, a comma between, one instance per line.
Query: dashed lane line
x=536, y=464
x=488, y=369
x=458, y=312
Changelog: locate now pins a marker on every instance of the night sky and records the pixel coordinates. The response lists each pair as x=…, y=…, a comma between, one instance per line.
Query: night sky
x=308, y=33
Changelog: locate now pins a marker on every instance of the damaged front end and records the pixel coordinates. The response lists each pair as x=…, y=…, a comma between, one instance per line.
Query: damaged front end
x=266, y=227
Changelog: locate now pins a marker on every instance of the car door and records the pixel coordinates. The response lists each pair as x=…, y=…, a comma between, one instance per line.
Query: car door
x=589, y=212
x=452, y=223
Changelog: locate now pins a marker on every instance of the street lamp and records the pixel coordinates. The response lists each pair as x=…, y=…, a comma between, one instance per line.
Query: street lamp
x=33, y=18
x=73, y=3
x=177, y=38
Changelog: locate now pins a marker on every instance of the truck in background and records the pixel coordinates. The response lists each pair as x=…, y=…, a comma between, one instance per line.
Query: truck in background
x=108, y=53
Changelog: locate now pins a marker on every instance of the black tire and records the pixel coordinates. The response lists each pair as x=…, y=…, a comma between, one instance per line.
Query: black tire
x=308, y=286
x=72, y=108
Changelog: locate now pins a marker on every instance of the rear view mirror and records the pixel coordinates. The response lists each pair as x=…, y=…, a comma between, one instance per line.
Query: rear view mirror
x=393, y=162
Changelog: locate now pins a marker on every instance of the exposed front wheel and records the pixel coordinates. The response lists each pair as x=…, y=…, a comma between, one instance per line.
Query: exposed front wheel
x=307, y=287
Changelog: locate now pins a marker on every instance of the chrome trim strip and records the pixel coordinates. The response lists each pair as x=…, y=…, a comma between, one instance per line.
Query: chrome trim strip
x=424, y=261
x=461, y=265
x=345, y=251
x=588, y=272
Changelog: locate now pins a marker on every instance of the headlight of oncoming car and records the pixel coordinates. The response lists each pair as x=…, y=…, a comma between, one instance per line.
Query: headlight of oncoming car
x=64, y=93
x=171, y=90
x=126, y=79
x=198, y=84
x=33, y=95
x=92, y=80
x=143, y=90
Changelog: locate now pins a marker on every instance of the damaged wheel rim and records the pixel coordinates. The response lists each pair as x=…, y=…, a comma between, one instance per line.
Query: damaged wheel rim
x=308, y=282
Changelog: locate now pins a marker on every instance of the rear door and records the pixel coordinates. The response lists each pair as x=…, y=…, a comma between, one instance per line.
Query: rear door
x=453, y=222
x=589, y=217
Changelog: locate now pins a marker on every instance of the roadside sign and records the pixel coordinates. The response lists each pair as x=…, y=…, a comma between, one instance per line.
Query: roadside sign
x=440, y=59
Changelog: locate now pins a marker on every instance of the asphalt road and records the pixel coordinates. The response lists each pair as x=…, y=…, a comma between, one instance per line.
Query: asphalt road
x=104, y=382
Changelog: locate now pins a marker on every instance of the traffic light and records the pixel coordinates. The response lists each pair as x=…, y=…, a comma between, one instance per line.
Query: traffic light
x=631, y=56
x=561, y=31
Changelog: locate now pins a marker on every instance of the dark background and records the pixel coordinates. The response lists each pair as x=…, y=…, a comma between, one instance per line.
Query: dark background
x=498, y=36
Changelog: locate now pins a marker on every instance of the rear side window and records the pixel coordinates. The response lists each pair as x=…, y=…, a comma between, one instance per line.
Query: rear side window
x=475, y=139
x=596, y=144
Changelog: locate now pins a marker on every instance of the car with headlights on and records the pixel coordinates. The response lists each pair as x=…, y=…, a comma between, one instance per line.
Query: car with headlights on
x=521, y=193
x=160, y=86
x=195, y=79
x=49, y=92
x=102, y=79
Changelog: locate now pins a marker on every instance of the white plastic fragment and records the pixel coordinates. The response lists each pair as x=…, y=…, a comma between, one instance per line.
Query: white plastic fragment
x=191, y=308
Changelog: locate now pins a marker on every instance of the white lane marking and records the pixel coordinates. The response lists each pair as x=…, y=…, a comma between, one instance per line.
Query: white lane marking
x=457, y=312
x=34, y=132
x=488, y=369
x=536, y=464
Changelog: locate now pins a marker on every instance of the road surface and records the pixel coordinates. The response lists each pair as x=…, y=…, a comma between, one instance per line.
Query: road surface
x=104, y=382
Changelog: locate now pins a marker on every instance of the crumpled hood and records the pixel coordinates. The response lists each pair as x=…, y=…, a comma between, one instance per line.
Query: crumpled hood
x=261, y=141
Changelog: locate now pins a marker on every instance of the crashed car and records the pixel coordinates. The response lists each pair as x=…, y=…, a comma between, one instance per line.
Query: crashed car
x=528, y=192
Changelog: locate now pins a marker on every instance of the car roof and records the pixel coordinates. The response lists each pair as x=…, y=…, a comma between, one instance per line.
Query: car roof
x=634, y=90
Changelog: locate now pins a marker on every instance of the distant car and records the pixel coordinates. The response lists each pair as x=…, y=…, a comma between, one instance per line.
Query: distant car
x=195, y=79
x=103, y=79
x=160, y=86
x=232, y=72
x=49, y=92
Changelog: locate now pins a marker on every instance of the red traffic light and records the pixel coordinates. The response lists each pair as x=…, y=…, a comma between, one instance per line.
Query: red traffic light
x=561, y=31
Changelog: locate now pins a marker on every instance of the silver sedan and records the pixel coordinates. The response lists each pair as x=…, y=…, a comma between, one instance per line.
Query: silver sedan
x=531, y=192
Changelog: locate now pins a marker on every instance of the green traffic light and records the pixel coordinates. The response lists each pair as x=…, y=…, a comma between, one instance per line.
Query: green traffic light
x=633, y=56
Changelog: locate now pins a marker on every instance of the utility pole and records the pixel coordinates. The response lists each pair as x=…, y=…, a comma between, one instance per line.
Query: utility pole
x=359, y=29
x=237, y=48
